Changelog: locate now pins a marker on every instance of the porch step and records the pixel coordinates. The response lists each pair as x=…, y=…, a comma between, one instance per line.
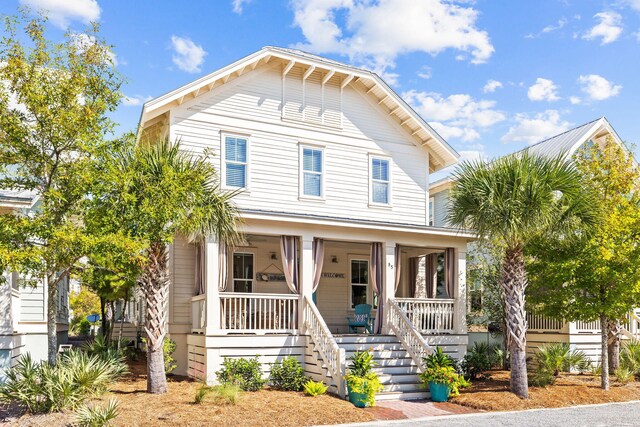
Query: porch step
x=398, y=373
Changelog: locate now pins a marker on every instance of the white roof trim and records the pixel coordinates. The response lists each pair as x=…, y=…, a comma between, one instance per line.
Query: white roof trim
x=157, y=106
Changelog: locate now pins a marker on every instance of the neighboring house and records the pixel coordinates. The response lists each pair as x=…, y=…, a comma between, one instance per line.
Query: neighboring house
x=581, y=335
x=23, y=328
x=333, y=170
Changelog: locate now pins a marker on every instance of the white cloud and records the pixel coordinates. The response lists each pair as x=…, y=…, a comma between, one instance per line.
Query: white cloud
x=559, y=25
x=536, y=127
x=543, y=90
x=133, y=101
x=575, y=100
x=83, y=41
x=425, y=73
x=456, y=116
x=188, y=55
x=633, y=4
x=491, y=86
x=598, y=88
x=374, y=34
x=62, y=12
x=608, y=29
x=238, y=5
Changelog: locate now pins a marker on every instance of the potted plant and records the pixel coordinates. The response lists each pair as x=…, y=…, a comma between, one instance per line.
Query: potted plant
x=362, y=382
x=441, y=376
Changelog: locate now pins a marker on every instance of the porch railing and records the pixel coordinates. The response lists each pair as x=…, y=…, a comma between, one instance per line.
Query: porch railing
x=258, y=313
x=410, y=338
x=540, y=322
x=332, y=355
x=198, y=314
x=429, y=316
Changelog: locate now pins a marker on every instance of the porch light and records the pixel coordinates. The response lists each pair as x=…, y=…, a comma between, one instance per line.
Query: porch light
x=273, y=255
x=334, y=259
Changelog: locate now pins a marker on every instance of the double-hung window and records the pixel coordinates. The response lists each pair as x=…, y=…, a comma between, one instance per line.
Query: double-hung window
x=380, y=181
x=235, y=157
x=359, y=281
x=312, y=171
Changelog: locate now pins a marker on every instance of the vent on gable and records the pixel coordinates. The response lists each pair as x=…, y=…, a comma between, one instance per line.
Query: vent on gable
x=309, y=100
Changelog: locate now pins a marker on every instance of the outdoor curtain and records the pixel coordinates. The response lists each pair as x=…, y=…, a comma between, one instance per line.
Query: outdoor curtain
x=449, y=271
x=413, y=277
x=376, y=277
x=222, y=266
x=431, y=275
x=318, y=261
x=289, y=250
x=200, y=270
x=398, y=264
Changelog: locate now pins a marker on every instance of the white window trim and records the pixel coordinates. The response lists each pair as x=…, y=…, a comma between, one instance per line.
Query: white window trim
x=301, y=195
x=232, y=279
x=432, y=211
x=389, y=203
x=223, y=161
x=368, y=285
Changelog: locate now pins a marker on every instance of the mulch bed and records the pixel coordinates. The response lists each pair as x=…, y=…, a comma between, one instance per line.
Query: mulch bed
x=263, y=408
x=570, y=389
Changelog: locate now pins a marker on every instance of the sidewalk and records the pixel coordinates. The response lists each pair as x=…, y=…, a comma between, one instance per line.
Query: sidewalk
x=412, y=409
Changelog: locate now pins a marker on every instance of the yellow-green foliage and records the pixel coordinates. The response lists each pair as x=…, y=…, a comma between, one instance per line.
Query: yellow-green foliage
x=224, y=394
x=313, y=388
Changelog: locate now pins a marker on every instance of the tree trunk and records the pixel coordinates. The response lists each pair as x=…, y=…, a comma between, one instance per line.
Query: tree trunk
x=613, y=344
x=103, y=319
x=109, y=320
x=505, y=346
x=604, y=353
x=124, y=309
x=52, y=319
x=155, y=283
x=514, y=283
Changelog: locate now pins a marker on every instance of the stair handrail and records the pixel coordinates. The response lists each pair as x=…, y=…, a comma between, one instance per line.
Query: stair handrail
x=632, y=332
x=408, y=335
x=332, y=355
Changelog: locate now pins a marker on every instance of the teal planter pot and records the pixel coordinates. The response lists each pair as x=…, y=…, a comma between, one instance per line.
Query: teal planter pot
x=359, y=400
x=439, y=392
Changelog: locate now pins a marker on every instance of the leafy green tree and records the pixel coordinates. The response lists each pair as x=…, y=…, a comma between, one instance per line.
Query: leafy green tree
x=82, y=303
x=54, y=101
x=595, y=276
x=511, y=200
x=152, y=191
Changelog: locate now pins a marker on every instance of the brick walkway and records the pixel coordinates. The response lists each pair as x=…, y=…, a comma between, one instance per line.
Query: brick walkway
x=410, y=409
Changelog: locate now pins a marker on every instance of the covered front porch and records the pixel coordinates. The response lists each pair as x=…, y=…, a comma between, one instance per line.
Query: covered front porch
x=254, y=294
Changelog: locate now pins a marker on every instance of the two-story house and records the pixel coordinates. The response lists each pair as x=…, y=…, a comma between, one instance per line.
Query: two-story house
x=23, y=328
x=584, y=336
x=333, y=171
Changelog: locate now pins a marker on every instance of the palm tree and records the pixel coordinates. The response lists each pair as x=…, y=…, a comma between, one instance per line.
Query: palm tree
x=511, y=200
x=156, y=191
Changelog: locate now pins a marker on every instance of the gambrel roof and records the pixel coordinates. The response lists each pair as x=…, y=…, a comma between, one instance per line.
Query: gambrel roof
x=422, y=134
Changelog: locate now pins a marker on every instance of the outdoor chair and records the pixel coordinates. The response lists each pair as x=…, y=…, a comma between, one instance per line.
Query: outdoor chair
x=361, y=319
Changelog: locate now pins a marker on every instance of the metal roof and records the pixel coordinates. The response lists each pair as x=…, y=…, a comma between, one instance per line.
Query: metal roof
x=564, y=142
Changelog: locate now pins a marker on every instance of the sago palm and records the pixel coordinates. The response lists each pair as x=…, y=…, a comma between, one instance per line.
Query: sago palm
x=159, y=191
x=511, y=200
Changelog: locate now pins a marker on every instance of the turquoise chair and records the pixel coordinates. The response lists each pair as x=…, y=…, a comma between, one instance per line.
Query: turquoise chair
x=361, y=319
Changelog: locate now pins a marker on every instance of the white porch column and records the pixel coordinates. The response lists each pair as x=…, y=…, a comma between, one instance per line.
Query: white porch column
x=306, y=276
x=6, y=322
x=389, y=280
x=460, y=305
x=213, y=294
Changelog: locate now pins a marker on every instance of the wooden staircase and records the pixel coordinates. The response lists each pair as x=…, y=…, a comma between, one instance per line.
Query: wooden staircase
x=398, y=372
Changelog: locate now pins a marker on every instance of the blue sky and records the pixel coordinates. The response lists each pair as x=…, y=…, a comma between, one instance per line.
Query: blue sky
x=490, y=76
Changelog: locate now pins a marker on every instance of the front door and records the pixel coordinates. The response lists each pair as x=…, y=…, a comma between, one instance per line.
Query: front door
x=243, y=272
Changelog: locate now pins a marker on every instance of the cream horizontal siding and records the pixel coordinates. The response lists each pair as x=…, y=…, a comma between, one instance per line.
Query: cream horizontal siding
x=252, y=105
x=32, y=307
x=441, y=207
x=183, y=286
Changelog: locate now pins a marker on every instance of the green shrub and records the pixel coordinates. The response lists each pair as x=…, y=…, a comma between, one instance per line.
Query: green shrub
x=245, y=373
x=559, y=357
x=623, y=375
x=477, y=361
x=438, y=359
x=168, y=347
x=313, y=388
x=102, y=347
x=40, y=387
x=97, y=416
x=445, y=375
x=361, y=378
x=630, y=357
x=225, y=394
x=541, y=378
x=287, y=375
x=499, y=353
